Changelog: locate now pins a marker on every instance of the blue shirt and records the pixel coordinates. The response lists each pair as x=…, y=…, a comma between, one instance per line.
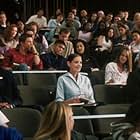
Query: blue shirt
x=50, y=60
x=9, y=134
x=68, y=87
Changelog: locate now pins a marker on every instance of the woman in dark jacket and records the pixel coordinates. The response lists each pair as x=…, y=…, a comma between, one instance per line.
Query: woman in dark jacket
x=89, y=61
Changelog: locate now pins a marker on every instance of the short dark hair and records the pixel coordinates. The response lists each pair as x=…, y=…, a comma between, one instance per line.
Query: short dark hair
x=28, y=27
x=59, y=42
x=59, y=14
x=64, y=30
x=123, y=26
x=135, y=31
x=72, y=56
x=23, y=37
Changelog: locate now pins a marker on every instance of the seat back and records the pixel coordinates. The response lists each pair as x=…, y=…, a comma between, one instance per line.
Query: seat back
x=26, y=120
x=102, y=125
x=41, y=79
x=109, y=94
x=18, y=78
x=81, y=125
x=37, y=95
x=97, y=77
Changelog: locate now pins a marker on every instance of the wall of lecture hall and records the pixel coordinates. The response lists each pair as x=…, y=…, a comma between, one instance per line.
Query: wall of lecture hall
x=25, y=8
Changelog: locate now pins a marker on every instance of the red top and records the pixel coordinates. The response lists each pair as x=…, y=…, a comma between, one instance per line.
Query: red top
x=14, y=56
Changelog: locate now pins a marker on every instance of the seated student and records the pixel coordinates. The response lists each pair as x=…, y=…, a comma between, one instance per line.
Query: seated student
x=89, y=62
x=64, y=35
x=25, y=53
x=54, y=60
x=117, y=72
x=57, y=124
x=40, y=42
x=72, y=86
x=129, y=127
x=135, y=44
x=9, y=38
x=9, y=93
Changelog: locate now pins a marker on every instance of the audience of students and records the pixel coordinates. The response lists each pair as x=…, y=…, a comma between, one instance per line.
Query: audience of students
x=93, y=37
x=25, y=53
x=94, y=27
x=64, y=35
x=38, y=18
x=40, y=42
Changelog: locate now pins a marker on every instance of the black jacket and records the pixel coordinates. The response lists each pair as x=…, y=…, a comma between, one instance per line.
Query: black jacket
x=132, y=89
x=8, y=88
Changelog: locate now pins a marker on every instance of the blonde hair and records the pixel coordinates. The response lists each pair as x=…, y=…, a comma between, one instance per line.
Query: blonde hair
x=54, y=124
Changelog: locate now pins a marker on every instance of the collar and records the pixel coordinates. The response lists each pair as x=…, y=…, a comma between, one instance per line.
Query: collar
x=72, y=77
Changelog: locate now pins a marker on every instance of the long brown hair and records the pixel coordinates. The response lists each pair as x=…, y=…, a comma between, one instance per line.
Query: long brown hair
x=128, y=63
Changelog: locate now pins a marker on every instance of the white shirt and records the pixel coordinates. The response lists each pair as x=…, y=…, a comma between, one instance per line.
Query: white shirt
x=3, y=119
x=112, y=73
x=135, y=47
x=42, y=22
x=84, y=36
x=105, y=45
